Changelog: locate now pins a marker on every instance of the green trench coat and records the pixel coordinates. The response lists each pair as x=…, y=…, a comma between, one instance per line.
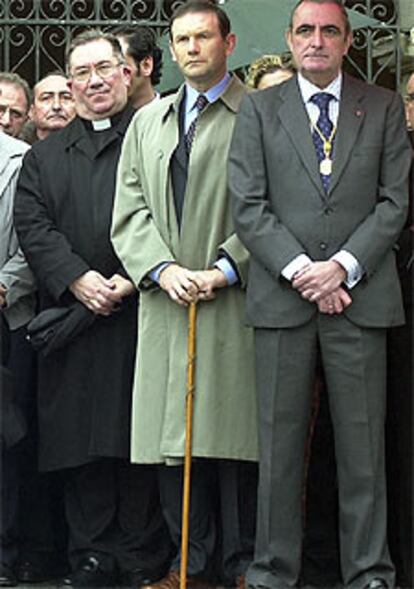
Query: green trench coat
x=145, y=233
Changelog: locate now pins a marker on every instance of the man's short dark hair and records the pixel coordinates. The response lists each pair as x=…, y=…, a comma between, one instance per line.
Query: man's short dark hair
x=141, y=44
x=93, y=35
x=193, y=6
x=338, y=3
x=15, y=80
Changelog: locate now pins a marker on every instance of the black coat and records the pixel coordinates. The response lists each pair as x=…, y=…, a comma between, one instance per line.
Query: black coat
x=63, y=216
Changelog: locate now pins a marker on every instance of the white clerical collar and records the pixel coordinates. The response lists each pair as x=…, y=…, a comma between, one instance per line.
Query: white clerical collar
x=307, y=89
x=101, y=125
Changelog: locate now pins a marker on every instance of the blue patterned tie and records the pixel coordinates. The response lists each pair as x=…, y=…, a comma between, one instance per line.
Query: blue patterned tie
x=325, y=126
x=201, y=104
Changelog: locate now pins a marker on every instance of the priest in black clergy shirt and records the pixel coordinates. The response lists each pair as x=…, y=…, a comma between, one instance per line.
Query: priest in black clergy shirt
x=63, y=213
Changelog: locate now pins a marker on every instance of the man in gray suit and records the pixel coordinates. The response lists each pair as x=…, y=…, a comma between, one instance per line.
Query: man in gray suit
x=318, y=174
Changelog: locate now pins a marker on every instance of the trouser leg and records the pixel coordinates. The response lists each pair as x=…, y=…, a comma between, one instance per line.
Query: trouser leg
x=143, y=539
x=42, y=521
x=91, y=505
x=9, y=505
x=354, y=363
x=399, y=440
x=8, y=470
x=238, y=503
x=202, y=526
x=113, y=510
x=285, y=367
x=321, y=541
x=18, y=362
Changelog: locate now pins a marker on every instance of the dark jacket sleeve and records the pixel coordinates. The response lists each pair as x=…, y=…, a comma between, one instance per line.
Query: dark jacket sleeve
x=47, y=250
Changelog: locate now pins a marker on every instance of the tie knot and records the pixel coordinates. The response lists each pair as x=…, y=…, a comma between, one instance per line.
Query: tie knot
x=201, y=102
x=322, y=99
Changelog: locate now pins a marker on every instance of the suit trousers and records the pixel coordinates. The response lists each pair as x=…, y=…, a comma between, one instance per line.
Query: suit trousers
x=222, y=516
x=400, y=427
x=19, y=359
x=353, y=360
x=113, y=512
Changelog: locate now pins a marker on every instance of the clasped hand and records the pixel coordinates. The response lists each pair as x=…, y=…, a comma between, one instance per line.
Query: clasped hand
x=320, y=283
x=99, y=294
x=190, y=286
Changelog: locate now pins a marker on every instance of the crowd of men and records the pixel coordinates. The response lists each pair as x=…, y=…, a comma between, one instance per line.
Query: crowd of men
x=278, y=213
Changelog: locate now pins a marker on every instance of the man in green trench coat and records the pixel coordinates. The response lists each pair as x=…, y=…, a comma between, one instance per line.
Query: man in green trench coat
x=173, y=231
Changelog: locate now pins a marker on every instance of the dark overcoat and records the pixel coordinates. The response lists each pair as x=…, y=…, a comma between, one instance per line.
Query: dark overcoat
x=63, y=213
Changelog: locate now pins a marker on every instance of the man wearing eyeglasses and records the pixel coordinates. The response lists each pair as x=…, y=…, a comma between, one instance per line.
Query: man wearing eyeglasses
x=63, y=211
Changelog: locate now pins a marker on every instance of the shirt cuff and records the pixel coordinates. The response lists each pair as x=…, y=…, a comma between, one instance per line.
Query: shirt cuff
x=295, y=265
x=155, y=274
x=354, y=271
x=229, y=272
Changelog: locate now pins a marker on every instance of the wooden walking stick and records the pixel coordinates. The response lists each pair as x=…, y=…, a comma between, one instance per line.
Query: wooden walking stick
x=192, y=321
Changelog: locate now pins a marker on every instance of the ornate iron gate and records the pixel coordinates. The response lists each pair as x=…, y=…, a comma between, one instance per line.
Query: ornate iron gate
x=376, y=53
x=34, y=33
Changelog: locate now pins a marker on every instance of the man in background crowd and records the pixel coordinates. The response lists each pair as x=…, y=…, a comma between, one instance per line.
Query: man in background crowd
x=52, y=109
x=15, y=101
x=145, y=60
x=400, y=387
x=270, y=70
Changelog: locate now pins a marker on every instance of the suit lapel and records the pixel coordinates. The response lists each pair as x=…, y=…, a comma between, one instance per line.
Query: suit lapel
x=294, y=118
x=351, y=116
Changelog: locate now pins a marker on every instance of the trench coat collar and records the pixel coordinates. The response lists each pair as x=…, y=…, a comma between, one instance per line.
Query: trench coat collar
x=76, y=134
x=294, y=118
x=231, y=97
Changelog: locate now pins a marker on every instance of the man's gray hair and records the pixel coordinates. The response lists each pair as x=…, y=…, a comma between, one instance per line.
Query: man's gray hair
x=15, y=80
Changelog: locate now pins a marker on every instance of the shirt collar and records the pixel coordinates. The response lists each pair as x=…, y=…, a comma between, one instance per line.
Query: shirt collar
x=307, y=89
x=212, y=94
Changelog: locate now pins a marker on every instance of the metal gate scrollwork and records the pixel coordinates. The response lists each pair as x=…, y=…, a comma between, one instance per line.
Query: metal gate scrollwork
x=34, y=33
x=376, y=52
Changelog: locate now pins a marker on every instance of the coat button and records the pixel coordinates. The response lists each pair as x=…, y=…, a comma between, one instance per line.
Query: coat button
x=327, y=211
x=323, y=246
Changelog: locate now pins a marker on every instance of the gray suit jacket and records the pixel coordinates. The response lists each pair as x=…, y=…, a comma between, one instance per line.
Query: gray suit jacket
x=15, y=274
x=281, y=210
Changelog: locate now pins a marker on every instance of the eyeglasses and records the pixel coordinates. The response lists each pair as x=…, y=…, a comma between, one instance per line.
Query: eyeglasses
x=104, y=70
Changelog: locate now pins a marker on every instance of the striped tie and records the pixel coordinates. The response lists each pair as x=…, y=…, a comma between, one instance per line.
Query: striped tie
x=201, y=104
